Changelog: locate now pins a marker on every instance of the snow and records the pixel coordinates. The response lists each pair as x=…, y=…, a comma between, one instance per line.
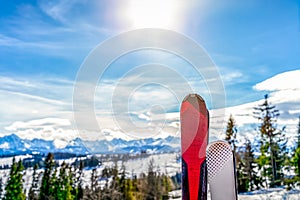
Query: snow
x=274, y=194
x=5, y=145
x=268, y=194
x=8, y=160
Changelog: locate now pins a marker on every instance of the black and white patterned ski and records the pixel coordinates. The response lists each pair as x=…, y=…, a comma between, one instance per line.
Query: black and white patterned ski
x=221, y=171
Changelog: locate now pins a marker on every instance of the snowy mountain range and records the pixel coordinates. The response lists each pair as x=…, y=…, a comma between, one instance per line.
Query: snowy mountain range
x=14, y=145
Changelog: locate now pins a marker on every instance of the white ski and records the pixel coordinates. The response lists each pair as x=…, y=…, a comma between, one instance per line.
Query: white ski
x=221, y=171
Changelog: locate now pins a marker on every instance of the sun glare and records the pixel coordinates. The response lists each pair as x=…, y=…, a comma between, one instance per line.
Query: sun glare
x=153, y=14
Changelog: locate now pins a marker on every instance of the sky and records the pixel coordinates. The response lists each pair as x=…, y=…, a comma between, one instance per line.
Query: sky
x=254, y=46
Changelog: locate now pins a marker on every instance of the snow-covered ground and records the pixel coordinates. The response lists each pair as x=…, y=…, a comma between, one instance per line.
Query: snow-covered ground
x=268, y=194
x=164, y=163
x=8, y=160
x=272, y=194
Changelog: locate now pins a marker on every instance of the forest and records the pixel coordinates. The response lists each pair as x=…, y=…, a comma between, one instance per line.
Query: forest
x=265, y=162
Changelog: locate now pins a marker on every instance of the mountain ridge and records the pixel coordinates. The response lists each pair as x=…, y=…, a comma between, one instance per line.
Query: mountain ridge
x=14, y=145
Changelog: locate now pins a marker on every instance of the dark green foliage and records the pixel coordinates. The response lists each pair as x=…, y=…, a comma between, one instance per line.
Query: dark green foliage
x=77, y=190
x=249, y=176
x=298, y=134
x=272, y=144
x=114, y=187
x=296, y=157
x=125, y=185
x=151, y=190
x=34, y=189
x=231, y=132
x=48, y=180
x=14, y=187
x=62, y=186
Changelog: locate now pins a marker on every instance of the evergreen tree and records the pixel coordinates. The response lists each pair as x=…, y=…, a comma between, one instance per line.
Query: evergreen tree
x=136, y=187
x=14, y=187
x=125, y=185
x=152, y=190
x=298, y=151
x=250, y=165
x=48, y=183
x=114, y=184
x=94, y=191
x=63, y=183
x=77, y=191
x=272, y=145
x=34, y=189
x=230, y=137
x=296, y=154
x=242, y=181
x=166, y=184
x=231, y=132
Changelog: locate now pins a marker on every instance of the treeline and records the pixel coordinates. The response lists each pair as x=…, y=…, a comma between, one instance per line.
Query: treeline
x=265, y=162
x=38, y=159
x=67, y=182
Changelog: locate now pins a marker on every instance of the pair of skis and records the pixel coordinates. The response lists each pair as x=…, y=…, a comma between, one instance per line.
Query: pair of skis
x=202, y=161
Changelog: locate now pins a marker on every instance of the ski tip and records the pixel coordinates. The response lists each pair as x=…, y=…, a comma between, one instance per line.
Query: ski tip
x=221, y=170
x=218, y=153
x=193, y=96
x=196, y=101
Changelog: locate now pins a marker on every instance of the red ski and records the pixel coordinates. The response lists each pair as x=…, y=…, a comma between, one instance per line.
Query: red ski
x=194, y=120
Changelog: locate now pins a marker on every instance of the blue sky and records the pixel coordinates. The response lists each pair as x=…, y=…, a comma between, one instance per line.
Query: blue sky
x=43, y=44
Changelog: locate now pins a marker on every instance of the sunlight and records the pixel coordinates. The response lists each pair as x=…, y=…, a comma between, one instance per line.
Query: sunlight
x=153, y=14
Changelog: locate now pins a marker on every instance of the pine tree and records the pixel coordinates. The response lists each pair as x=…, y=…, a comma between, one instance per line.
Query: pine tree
x=94, y=191
x=125, y=185
x=14, y=187
x=152, y=190
x=272, y=145
x=77, y=191
x=122, y=183
x=47, y=185
x=114, y=184
x=230, y=137
x=298, y=151
x=250, y=165
x=166, y=184
x=245, y=168
x=34, y=189
x=136, y=188
x=296, y=154
x=231, y=132
x=63, y=184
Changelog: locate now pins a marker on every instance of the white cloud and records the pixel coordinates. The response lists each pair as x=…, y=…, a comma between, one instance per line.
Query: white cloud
x=150, y=108
x=58, y=10
x=28, y=98
x=232, y=77
x=39, y=123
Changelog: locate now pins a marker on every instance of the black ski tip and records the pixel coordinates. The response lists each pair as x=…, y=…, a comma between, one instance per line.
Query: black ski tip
x=193, y=96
